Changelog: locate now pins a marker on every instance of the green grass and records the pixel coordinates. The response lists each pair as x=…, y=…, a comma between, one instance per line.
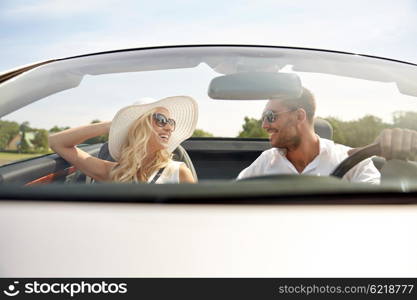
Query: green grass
x=6, y=157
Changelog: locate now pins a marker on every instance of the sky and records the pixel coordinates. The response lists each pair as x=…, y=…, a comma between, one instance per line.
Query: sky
x=32, y=31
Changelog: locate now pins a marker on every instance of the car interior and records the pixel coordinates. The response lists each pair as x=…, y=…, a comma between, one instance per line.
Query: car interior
x=218, y=159
x=208, y=158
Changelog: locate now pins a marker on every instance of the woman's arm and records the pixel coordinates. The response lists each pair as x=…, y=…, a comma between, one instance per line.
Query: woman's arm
x=64, y=143
x=185, y=175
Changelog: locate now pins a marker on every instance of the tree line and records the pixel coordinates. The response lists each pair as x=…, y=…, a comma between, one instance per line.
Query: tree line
x=23, y=138
x=27, y=139
x=354, y=133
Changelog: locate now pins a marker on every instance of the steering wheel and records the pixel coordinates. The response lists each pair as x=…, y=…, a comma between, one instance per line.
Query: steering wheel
x=354, y=159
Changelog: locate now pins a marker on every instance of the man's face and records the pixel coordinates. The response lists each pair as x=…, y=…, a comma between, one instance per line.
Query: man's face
x=283, y=131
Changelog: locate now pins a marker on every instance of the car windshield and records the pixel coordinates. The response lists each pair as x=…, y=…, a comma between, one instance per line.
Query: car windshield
x=357, y=95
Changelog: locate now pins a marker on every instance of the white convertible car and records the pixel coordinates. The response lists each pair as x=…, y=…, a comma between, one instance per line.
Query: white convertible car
x=54, y=222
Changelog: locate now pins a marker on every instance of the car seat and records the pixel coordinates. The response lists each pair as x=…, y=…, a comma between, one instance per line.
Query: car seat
x=323, y=128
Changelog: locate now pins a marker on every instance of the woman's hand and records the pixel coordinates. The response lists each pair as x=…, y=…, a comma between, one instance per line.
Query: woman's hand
x=64, y=143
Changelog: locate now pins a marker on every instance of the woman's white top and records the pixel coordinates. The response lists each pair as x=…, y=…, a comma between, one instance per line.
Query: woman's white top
x=171, y=173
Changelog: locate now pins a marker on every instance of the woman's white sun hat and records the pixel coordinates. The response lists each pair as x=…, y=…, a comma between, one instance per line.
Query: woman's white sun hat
x=183, y=109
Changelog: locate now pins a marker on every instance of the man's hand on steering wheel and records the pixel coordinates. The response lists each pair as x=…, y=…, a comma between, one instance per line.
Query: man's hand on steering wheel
x=390, y=144
x=395, y=144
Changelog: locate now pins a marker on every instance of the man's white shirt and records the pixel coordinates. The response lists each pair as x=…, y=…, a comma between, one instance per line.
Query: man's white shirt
x=274, y=161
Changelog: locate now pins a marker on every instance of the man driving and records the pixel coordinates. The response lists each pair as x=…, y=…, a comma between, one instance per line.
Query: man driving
x=296, y=149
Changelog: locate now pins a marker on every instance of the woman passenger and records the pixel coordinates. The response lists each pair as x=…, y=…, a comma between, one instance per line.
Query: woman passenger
x=142, y=137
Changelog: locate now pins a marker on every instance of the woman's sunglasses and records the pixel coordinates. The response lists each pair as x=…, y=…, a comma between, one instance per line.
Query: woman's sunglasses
x=161, y=120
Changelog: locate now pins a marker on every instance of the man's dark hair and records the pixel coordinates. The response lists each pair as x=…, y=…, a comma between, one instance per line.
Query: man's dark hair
x=306, y=101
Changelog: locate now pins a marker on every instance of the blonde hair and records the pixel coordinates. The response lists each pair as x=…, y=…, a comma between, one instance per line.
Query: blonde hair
x=132, y=165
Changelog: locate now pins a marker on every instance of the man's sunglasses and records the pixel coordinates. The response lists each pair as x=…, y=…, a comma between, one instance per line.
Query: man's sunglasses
x=161, y=120
x=271, y=116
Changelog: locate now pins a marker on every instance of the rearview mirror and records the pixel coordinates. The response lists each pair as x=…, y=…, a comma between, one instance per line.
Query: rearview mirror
x=255, y=86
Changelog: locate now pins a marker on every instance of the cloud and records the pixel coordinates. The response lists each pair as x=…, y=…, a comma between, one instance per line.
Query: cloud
x=57, y=8
x=110, y=25
x=354, y=33
x=40, y=30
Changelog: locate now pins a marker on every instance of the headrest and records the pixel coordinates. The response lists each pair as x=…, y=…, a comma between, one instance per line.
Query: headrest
x=323, y=128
